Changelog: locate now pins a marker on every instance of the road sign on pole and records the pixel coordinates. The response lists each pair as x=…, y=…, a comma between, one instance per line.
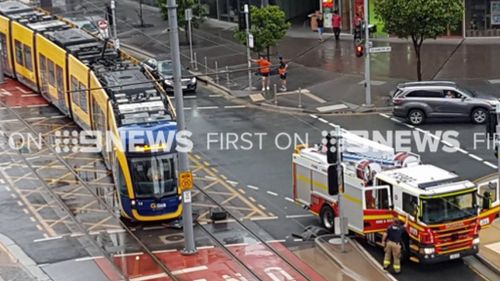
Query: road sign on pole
x=380, y=50
x=186, y=180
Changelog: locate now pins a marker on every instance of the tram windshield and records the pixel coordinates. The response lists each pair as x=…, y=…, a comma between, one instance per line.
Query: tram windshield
x=153, y=176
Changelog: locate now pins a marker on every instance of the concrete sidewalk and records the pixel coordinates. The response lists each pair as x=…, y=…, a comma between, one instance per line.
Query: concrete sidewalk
x=354, y=262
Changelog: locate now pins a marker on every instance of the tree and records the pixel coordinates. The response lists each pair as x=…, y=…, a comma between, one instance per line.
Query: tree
x=268, y=26
x=200, y=12
x=419, y=20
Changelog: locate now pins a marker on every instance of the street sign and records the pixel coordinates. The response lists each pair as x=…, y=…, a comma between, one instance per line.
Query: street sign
x=186, y=180
x=380, y=50
x=188, y=14
x=186, y=196
x=250, y=41
x=103, y=24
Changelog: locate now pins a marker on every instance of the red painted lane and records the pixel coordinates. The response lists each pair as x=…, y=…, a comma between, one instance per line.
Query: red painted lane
x=13, y=93
x=214, y=264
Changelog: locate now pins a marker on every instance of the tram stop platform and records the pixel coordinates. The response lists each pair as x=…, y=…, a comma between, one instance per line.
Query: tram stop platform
x=354, y=262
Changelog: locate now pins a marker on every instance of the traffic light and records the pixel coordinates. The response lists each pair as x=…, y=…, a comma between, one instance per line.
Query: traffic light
x=332, y=158
x=360, y=50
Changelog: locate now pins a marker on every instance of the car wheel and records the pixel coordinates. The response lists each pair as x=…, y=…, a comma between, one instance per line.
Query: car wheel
x=327, y=218
x=479, y=115
x=416, y=116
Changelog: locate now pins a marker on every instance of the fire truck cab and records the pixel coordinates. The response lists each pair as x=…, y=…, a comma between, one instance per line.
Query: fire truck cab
x=441, y=212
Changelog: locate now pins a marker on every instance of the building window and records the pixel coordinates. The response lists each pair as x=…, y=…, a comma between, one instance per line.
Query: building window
x=83, y=97
x=19, y=52
x=27, y=58
x=75, y=91
x=52, y=77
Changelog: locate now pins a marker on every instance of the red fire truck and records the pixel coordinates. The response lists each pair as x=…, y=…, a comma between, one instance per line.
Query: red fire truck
x=444, y=213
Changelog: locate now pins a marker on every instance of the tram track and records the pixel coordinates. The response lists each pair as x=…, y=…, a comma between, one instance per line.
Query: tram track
x=71, y=211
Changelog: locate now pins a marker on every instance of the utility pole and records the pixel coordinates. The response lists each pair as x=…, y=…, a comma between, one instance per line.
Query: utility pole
x=187, y=212
x=189, y=17
x=368, y=89
x=115, y=20
x=249, y=55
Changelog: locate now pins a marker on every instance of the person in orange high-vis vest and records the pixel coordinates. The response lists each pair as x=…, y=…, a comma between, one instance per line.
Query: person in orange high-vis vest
x=264, y=71
x=282, y=70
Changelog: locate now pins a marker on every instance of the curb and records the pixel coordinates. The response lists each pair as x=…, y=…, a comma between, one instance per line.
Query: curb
x=488, y=264
x=372, y=260
x=28, y=264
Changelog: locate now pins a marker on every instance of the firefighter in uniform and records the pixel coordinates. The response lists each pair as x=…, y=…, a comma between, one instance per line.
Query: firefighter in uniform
x=392, y=240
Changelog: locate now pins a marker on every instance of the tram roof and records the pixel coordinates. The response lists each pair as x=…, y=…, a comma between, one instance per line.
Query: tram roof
x=14, y=7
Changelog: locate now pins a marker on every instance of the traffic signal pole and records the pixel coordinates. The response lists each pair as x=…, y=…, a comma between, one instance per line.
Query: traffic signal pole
x=368, y=89
x=115, y=37
x=187, y=212
x=249, y=56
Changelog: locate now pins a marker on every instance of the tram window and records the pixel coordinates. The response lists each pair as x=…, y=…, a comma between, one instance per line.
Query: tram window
x=27, y=58
x=74, y=90
x=19, y=52
x=59, y=78
x=83, y=97
x=52, y=78
x=43, y=68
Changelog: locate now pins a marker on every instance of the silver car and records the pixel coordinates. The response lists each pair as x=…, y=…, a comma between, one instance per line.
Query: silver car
x=417, y=101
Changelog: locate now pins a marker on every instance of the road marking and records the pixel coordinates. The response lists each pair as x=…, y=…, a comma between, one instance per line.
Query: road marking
x=446, y=143
x=234, y=183
x=289, y=199
x=215, y=96
x=272, y=193
x=334, y=107
x=25, y=211
x=19, y=203
x=253, y=187
x=312, y=96
x=234, y=106
x=299, y=240
x=210, y=178
x=207, y=107
x=263, y=218
x=89, y=258
x=461, y=150
x=491, y=165
x=32, y=219
x=252, y=199
x=385, y=115
x=410, y=126
x=262, y=206
x=165, y=251
x=313, y=116
x=237, y=245
x=7, y=188
x=223, y=177
x=129, y=254
x=299, y=216
x=276, y=241
x=323, y=120
x=215, y=170
x=13, y=195
x=494, y=81
x=205, y=247
x=36, y=105
x=396, y=120
x=39, y=227
x=476, y=157
x=47, y=239
x=242, y=191
x=188, y=108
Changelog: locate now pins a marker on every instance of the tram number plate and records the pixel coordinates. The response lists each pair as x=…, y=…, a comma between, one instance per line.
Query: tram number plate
x=454, y=256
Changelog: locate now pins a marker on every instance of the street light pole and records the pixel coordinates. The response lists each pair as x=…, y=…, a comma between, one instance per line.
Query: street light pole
x=368, y=93
x=115, y=37
x=187, y=213
x=189, y=17
x=249, y=55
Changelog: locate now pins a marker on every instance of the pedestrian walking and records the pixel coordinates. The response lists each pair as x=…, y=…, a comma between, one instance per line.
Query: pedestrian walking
x=264, y=71
x=336, y=23
x=392, y=239
x=320, y=22
x=282, y=70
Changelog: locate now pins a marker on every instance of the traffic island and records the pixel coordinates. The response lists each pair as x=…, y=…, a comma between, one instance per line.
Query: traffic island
x=353, y=261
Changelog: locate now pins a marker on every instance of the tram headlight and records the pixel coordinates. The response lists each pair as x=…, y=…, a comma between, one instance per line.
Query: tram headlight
x=132, y=202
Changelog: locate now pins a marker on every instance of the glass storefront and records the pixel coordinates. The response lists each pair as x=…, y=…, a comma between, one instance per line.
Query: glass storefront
x=482, y=18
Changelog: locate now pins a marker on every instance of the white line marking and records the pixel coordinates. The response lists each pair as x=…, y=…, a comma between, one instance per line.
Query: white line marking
x=129, y=254
x=333, y=125
x=299, y=240
x=89, y=258
x=205, y=247
x=235, y=106
x=396, y=120
x=207, y=107
x=215, y=96
x=476, y=157
x=210, y=178
x=323, y=120
x=252, y=199
x=76, y=235
x=253, y=187
x=187, y=108
x=25, y=211
x=39, y=227
x=289, y=199
x=272, y=193
x=20, y=203
x=32, y=219
x=237, y=245
x=47, y=239
x=313, y=116
x=164, y=251
x=384, y=115
x=461, y=150
x=13, y=195
x=262, y=206
x=312, y=96
x=299, y=216
x=232, y=182
x=189, y=97
x=263, y=218
x=36, y=105
x=491, y=165
x=7, y=188
x=111, y=231
x=2, y=181
x=446, y=143
x=410, y=126
x=276, y=241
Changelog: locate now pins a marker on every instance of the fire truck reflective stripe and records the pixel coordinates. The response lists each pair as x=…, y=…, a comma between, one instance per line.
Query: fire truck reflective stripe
x=378, y=217
x=352, y=199
x=309, y=181
x=490, y=212
x=403, y=218
x=447, y=194
x=414, y=247
x=454, y=250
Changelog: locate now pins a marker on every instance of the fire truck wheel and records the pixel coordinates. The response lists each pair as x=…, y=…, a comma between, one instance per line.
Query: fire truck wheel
x=327, y=218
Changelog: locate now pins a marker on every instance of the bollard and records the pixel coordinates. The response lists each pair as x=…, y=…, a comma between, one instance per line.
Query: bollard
x=195, y=62
x=227, y=75
x=206, y=66
x=300, y=97
x=216, y=72
x=275, y=88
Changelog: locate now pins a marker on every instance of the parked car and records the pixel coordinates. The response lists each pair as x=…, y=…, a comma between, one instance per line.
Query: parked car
x=418, y=101
x=163, y=71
